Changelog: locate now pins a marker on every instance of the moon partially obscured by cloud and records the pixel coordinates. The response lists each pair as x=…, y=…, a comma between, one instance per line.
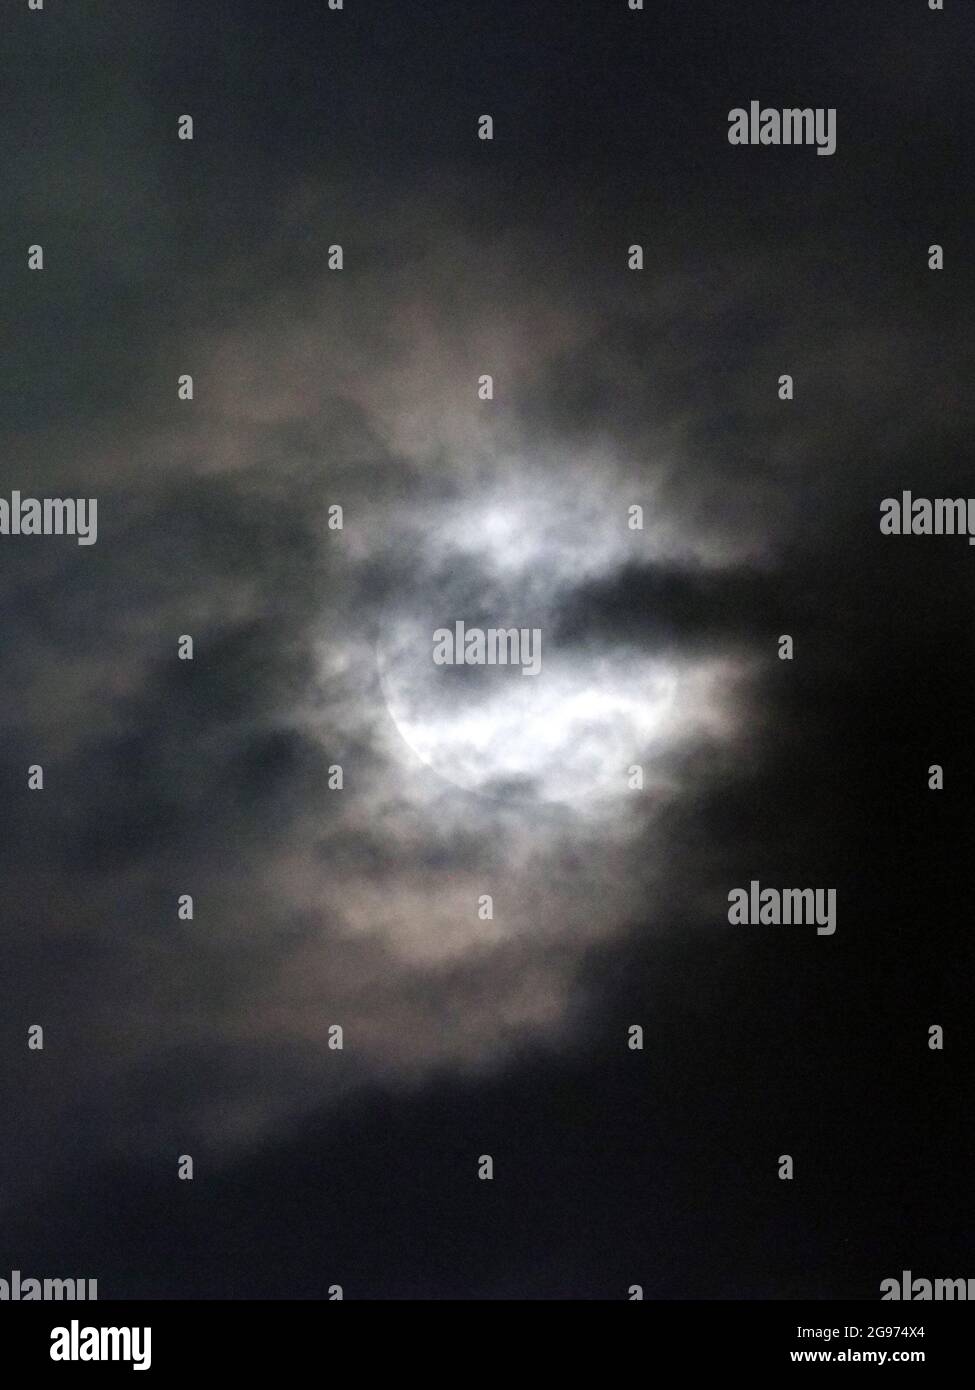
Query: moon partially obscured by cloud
x=588, y=728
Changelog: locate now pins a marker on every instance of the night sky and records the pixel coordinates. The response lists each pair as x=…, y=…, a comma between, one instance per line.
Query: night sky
x=316, y=906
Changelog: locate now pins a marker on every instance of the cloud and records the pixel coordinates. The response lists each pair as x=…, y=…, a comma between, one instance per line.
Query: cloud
x=315, y=906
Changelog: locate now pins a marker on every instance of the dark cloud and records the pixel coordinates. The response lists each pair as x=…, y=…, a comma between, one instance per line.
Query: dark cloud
x=664, y=608
x=315, y=906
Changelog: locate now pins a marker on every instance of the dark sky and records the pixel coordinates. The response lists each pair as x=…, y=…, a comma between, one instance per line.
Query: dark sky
x=316, y=906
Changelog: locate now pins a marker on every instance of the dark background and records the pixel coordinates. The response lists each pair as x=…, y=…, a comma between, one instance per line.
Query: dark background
x=612, y=1167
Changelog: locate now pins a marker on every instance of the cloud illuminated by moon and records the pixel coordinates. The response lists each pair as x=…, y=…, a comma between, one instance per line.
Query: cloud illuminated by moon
x=571, y=734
